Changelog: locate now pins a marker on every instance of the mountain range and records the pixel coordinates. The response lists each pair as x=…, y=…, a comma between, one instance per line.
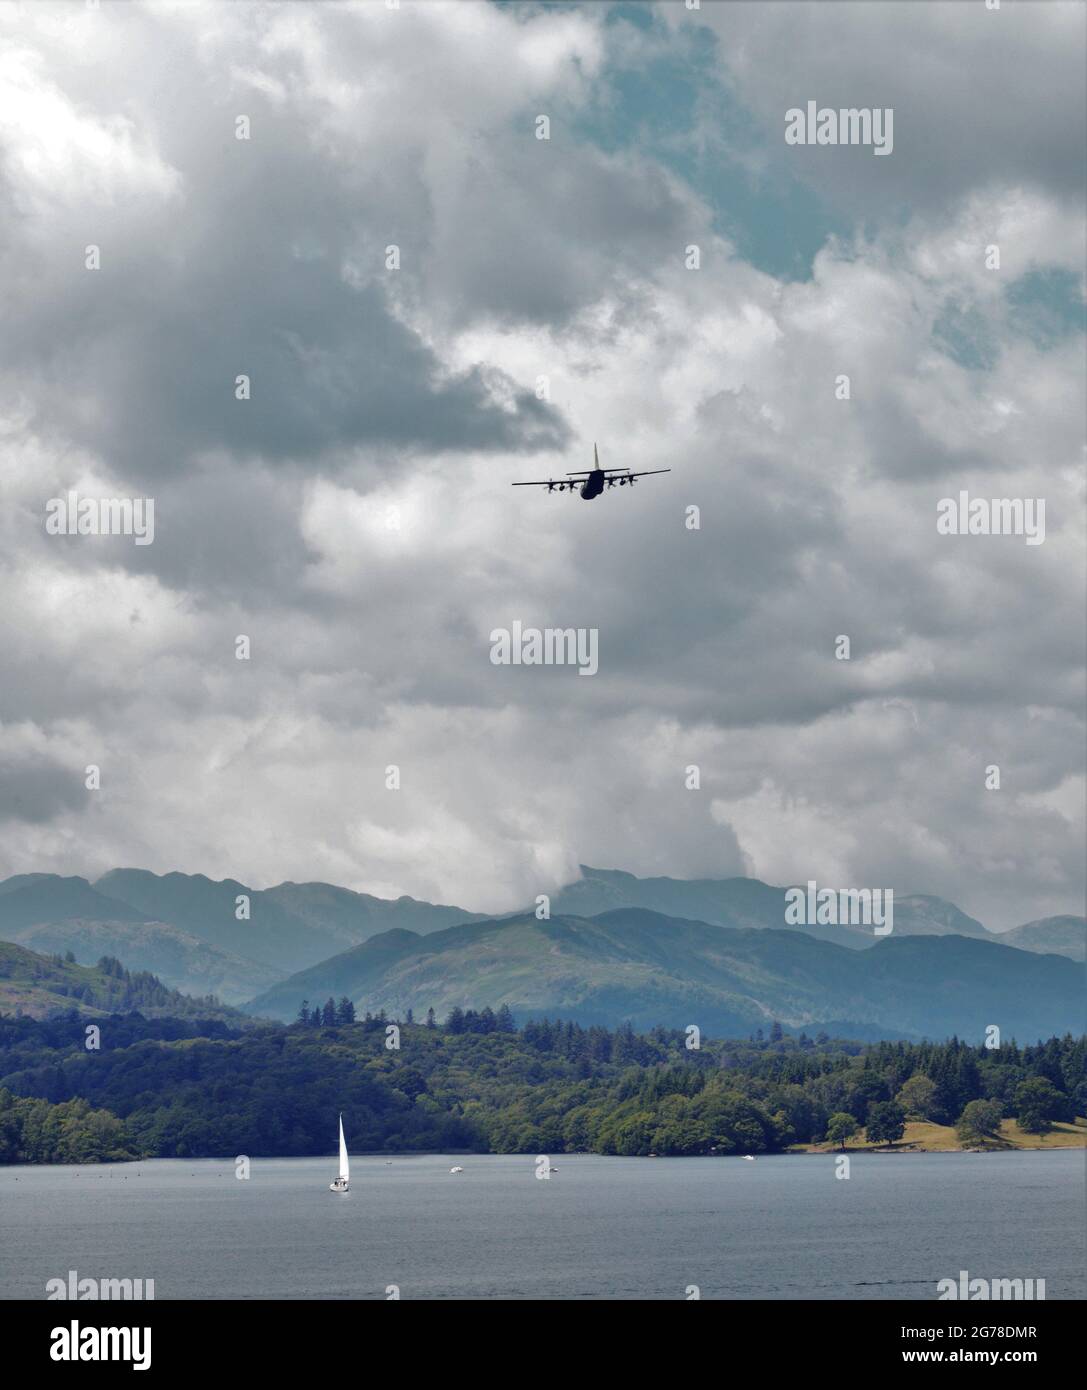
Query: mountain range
x=652, y=950
x=747, y=902
x=636, y=965
x=184, y=928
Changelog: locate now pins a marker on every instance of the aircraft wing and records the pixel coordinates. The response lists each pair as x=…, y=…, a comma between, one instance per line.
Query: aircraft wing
x=616, y=474
x=552, y=484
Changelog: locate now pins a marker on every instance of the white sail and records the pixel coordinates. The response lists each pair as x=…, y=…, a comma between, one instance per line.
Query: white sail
x=344, y=1174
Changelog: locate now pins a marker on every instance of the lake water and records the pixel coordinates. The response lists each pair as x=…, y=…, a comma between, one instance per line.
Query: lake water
x=781, y=1227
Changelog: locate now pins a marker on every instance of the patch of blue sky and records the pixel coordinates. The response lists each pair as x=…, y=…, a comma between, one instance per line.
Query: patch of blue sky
x=1047, y=306
x=660, y=94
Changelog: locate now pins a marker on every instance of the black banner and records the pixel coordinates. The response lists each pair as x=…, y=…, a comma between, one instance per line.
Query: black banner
x=175, y=1338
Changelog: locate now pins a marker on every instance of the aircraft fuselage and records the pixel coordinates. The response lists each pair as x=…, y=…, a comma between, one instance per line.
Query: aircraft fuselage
x=593, y=485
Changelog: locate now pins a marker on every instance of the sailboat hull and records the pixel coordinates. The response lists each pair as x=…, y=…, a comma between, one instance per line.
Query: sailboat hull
x=339, y=1185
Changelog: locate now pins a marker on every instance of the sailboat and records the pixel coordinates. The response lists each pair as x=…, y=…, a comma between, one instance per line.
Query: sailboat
x=340, y=1185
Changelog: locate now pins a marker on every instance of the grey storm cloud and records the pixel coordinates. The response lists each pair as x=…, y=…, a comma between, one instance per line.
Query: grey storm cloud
x=241, y=273
x=265, y=257
x=35, y=790
x=979, y=96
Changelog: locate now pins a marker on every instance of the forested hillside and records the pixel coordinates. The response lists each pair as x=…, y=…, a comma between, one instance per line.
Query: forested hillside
x=41, y=986
x=479, y=1084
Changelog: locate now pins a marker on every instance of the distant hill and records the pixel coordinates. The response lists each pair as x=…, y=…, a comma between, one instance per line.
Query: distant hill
x=181, y=960
x=1058, y=936
x=637, y=965
x=289, y=927
x=29, y=899
x=48, y=913
x=355, y=973
x=747, y=902
x=38, y=986
x=358, y=916
x=183, y=927
x=206, y=909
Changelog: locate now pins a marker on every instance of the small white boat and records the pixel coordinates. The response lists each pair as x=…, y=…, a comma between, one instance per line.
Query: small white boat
x=456, y=1170
x=750, y=1158
x=340, y=1184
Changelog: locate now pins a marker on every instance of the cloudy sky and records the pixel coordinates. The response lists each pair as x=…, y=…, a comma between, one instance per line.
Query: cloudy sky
x=354, y=518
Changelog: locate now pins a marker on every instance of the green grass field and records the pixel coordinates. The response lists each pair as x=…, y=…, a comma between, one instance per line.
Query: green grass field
x=924, y=1137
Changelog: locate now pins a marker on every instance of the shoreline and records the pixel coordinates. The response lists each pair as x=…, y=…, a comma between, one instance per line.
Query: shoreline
x=923, y=1136
x=796, y=1151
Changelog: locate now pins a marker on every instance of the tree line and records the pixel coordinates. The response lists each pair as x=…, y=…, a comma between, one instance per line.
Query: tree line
x=164, y=1088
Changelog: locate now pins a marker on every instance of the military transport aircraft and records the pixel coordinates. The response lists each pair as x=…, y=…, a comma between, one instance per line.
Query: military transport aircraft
x=592, y=482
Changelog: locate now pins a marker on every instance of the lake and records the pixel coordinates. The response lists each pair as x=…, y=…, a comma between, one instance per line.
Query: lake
x=783, y=1227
